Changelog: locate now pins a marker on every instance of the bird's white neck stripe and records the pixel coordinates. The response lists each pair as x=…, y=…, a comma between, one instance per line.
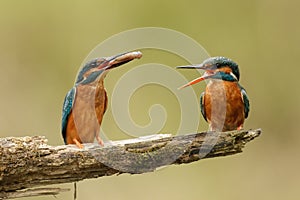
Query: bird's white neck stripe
x=234, y=76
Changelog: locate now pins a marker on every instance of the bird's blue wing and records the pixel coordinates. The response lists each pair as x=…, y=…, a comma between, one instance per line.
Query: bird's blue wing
x=202, y=105
x=246, y=101
x=67, y=107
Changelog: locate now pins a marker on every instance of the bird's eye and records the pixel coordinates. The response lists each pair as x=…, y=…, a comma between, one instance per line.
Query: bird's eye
x=214, y=66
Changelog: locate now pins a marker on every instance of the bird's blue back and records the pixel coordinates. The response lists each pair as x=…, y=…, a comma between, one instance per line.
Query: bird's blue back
x=67, y=107
x=246, y=101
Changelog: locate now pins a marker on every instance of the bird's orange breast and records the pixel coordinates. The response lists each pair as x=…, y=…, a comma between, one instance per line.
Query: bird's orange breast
x=86, y=115
x=223, y=105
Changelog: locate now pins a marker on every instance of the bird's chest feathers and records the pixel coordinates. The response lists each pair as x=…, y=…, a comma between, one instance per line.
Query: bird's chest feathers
x=90, y=104
x=224, y=105
x=90, y=96
x=223, y=90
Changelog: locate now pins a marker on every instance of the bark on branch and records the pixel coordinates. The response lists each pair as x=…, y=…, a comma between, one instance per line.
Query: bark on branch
x=28, y=162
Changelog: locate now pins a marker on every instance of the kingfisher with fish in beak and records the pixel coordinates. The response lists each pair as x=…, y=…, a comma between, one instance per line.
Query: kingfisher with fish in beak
x=223, y=96
x=86, y=103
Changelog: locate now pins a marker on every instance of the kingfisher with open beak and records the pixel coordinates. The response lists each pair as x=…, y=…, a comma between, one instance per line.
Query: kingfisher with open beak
x=224, y=104
x=86, y=103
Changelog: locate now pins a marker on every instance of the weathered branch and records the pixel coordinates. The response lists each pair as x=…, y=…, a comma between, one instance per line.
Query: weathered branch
x=28, y=162
x=31, y=192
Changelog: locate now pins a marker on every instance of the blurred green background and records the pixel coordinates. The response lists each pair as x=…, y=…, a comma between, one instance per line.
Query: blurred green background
x=42, y=45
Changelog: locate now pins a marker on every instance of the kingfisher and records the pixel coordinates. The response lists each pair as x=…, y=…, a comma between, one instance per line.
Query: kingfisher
x=86, y=103
x=224, y=104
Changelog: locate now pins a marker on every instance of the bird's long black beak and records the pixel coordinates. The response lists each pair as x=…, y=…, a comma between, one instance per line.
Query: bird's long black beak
x=206, y=75
x=199, y=66
x=121, y=59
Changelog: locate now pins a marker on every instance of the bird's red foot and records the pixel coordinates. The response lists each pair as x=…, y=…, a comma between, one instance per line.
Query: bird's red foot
x=100, y=141
x=240, y=127
x=78, y=144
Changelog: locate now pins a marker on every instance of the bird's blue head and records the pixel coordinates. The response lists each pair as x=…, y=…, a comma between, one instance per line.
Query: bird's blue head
x=98, y=68
x=216, y=68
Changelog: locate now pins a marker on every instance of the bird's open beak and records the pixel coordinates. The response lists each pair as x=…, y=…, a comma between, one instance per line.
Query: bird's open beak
x=120, y=59
x=206, y=75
